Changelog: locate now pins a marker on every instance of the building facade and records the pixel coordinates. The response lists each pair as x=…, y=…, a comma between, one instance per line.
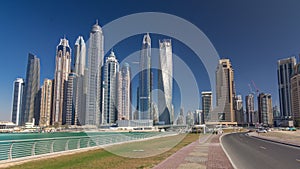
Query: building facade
x=124, y=93
x=111, y=68
x=145, y=99
x=62, y=70
x=295, y=95
x=17, y=101
x=46, y=103
x=284, y=72
x=80, y=70
x=265, y=109
x=165, y=82
x=239, y=110
x=225, y=91
x=95, y=63
x=249, y=99
x=32, y=86
x=206, y=98
x=70, y=116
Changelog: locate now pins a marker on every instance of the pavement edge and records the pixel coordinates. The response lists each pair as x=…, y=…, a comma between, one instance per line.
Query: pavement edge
x=220, y=140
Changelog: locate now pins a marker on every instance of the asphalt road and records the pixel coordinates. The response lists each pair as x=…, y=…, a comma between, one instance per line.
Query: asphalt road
x=251, y=153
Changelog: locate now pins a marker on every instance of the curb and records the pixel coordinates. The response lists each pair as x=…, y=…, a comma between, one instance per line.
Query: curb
x=220, y=140
x=278, y=142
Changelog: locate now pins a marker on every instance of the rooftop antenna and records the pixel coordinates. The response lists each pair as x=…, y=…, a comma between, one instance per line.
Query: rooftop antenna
x=96, y=21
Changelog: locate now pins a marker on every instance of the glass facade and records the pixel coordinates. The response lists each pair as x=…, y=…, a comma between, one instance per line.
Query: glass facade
x=32, y=86
x=144, y=107
x=17, y=101
x=165, y=82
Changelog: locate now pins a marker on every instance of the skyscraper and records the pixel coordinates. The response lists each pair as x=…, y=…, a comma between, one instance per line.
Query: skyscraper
x=225, y=90
x=265, y=110
x=110, y=90
x=165, y=82
x=284, y=72
x=206, y=104
x=46, y=103
x=17, y=101
x=144, y=107
x=239, y=110
x=32, y=85
x=95, y=62
x=250, y=108
x=124, y=93
x=62, y=70
x=295, y=93
x=81, y=87
x=70, y=116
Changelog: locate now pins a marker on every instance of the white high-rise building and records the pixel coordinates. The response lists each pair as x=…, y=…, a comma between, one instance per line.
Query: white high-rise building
x=110, y=90
x=250, y=108
x=81, y=87
x=62, y=70
x=95, y=62
x=124, y=93
x=165, y=82
x=17, y=101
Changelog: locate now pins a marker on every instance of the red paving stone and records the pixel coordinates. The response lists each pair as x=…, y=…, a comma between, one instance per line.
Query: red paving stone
x=217, y=159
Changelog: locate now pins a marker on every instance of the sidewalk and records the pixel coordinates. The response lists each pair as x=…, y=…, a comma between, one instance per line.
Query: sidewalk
x=292, y=142
x=205, y=153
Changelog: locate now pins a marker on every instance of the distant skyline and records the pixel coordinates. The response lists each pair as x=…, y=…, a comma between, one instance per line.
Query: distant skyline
x=252, y=34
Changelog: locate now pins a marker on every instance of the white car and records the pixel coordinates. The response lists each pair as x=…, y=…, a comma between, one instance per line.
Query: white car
x=261, y=131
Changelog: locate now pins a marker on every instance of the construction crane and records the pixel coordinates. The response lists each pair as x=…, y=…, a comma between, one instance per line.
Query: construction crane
x=256, y=89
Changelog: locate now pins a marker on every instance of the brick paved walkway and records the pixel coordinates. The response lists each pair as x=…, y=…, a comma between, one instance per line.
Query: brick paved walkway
x=205, y=153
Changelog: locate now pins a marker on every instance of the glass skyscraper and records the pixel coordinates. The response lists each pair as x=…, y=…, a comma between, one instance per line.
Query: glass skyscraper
x=17, y=101
x=110, y=90
x=165, y=82
x=144, y=89
x=285, y=72
x=62, y=70
x=206, y=104
x=250, y=108
x=95, y=63
x=32, y=86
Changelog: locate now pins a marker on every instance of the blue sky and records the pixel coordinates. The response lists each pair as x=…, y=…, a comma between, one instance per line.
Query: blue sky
x=253, y=34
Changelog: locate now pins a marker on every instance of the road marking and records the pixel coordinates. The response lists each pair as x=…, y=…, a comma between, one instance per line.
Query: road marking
x=298, y=160
x=262, y=147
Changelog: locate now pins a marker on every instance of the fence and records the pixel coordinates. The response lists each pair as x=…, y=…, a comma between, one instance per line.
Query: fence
x=14, y=149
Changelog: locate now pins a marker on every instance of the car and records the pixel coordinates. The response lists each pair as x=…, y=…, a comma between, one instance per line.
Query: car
x=261, y=131
x=292, y=129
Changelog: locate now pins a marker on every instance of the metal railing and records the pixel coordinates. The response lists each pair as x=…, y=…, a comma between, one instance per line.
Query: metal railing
x=14, y=149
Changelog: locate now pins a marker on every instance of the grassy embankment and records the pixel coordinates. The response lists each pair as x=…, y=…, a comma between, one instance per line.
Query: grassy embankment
x=108, y=158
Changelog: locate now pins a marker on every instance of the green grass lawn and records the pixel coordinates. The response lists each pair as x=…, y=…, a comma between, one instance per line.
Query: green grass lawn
x=108, y=158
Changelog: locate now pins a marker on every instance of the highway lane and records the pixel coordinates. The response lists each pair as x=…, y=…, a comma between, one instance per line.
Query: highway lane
x=251, y=153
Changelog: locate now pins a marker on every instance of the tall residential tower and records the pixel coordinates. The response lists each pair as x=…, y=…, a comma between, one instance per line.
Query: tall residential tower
x=17, y=101
x=144, y=89
x=284, y=72
x=124, y=93
x=32, y=86
x=165, y=82
x=225, y=91
x=62, y=70
x=95, y=62
x=110, y=90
